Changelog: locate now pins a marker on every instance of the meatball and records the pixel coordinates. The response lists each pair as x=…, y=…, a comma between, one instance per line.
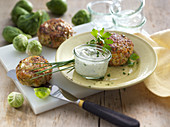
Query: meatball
x=54, y=32
x=25, y=71
x=121, y=49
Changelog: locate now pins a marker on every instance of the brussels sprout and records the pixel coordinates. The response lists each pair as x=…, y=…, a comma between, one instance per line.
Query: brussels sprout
x=42, y=92
x=44, y=16
x=81, y=17
x=28, y=36
x=29, y=23
x=34, y=48
x=10, y=32
x=58, y=7
x=22, y=7
x=20, y=43
x=15, y=99
x=17, y=12
x=25, y=4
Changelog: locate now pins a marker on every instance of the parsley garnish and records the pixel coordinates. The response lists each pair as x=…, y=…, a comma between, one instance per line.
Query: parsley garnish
x=101, y=38
x=97, y=53
x=108, y=75
x=132, y=59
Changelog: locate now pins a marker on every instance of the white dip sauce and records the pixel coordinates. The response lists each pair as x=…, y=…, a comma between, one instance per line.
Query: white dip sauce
x=91, y=62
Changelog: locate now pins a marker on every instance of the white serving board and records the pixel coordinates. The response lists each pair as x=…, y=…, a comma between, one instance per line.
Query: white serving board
x=10, y=58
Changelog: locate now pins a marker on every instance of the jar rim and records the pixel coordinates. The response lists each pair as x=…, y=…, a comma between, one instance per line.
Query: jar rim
x=90, y=4
x=109, y=55
x=129, y=14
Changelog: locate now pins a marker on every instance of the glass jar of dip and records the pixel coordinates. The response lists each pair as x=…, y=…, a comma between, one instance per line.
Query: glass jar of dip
x=91, y=61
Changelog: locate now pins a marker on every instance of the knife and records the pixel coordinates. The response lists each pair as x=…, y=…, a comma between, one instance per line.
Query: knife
x=109, y=115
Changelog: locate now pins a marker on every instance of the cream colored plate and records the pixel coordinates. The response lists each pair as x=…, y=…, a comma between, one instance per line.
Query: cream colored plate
x=119, y=77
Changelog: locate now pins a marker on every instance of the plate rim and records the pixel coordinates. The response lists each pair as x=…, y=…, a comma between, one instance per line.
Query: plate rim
x=121, y=85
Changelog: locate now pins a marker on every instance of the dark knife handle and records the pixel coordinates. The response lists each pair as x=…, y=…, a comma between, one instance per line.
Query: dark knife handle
x=110, y=115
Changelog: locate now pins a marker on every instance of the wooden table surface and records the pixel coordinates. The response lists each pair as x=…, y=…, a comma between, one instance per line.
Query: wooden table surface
x=135, y=101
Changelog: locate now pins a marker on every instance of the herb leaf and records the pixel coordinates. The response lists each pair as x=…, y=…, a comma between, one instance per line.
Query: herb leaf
x=106, y=35
x=102, y=31
x=108, y=41
x=101, y=38
x=132, y=60
x=134, y=56
x=107, y=47
x=92, y=41
x=94, y=33
x=130, y=63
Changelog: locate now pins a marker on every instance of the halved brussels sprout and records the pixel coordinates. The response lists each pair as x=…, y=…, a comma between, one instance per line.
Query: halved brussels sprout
x=15, y=99
x=20, y=43
x=34, y=48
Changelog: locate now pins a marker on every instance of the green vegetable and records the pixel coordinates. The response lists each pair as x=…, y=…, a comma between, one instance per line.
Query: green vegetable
x=134, y=56
x=22, y=7
x=66, y=64
x=10, y=32
x=20, y=43
x=42, y=92
x=34, y=48
x=29, y=23
x=44, y=16
x=132, y=60
x=58, y=7
x=27, y=5
x=108, y=75
x=101, y=37
x=81, y=17
x=15, y=99
x=28, y=36
x=17, y=12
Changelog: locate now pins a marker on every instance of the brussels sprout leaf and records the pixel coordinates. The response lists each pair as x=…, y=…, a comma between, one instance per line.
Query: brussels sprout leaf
x=42, y=92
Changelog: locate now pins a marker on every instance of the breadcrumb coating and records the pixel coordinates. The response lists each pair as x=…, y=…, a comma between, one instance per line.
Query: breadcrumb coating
x=25, y=71
x=54, y=32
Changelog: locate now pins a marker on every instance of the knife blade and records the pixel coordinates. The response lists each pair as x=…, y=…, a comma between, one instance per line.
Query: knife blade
x=109, y=115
